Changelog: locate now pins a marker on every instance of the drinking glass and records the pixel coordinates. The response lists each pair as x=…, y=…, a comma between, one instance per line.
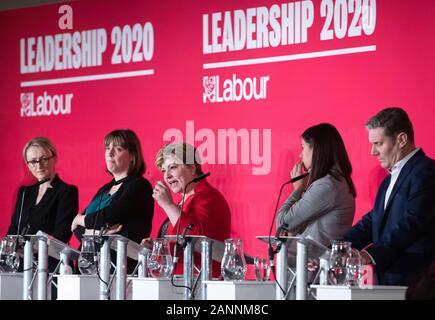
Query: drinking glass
x=262, y=268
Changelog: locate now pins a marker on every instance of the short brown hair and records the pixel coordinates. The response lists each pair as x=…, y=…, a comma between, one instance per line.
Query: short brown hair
x=394, y=121
x=129, y=141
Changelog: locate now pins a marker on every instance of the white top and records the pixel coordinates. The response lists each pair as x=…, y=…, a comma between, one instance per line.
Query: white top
x=395, y=172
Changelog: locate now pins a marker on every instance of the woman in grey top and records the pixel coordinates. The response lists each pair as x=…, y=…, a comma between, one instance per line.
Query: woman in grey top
x=322, y=205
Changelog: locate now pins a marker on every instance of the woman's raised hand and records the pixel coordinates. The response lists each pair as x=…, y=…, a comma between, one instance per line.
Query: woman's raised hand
x=298, y=169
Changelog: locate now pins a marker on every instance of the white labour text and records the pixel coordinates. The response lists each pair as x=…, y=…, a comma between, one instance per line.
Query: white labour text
x=63, y=51
x=260, y=27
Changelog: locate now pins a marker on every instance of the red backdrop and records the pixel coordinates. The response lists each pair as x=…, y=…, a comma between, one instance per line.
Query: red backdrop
x=303, y=74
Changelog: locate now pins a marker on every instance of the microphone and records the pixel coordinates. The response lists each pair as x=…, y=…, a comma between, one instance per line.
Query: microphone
x=183, y=235
x=104, y=228
x=282, y=228
x=270, y=249
x=22, y=206
x=299, y=177
x=175, y=260
x=99, y=209
x=181, y=242
x=279, y=230
x=199, y=178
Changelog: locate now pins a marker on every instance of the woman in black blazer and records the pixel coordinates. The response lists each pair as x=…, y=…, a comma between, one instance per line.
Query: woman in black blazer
x=124, y=204
x=49, y=205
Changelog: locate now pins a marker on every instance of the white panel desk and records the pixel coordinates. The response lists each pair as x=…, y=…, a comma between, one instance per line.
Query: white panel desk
x=240, y=290
x=355, y=293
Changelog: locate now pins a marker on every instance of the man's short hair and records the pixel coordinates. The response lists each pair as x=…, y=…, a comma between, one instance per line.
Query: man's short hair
x=394, y=121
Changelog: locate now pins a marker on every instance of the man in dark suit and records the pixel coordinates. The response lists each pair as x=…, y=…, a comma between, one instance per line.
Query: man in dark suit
x=398, y=234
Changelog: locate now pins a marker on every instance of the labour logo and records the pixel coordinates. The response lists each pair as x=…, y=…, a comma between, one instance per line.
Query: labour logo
x=26, y=103
x=209, y=84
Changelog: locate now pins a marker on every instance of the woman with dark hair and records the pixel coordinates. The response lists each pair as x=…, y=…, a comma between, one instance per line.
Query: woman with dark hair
x=125, y=204
x=322, y=205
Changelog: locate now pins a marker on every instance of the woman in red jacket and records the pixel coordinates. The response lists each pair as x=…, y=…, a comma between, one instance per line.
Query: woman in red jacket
x=204, y=212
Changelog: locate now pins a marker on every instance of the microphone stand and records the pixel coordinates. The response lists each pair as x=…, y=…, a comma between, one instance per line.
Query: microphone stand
x=188, y=227
x=102, y=230
x=22, y=203
x=25, y=230
x=21, y=211
x=177, y=241
x=270, y=250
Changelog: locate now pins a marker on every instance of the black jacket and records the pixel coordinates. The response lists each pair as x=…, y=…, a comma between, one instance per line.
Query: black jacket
x=52, y=215
x=401, y=237
x=132, y=206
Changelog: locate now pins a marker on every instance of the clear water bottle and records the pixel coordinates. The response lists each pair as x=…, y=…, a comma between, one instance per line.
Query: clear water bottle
x=233, y=266
x=89, y=255
x=160, y=261
x=337, y=272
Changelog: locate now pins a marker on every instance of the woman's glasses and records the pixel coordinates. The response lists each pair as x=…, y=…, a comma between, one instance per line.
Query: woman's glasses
x=42, y=161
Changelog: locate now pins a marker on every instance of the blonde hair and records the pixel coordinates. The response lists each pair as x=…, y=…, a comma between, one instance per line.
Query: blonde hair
x=41, y=142
x=184, y=153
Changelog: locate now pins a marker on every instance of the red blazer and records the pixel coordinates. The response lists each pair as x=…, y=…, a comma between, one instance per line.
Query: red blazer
x=209, y=214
